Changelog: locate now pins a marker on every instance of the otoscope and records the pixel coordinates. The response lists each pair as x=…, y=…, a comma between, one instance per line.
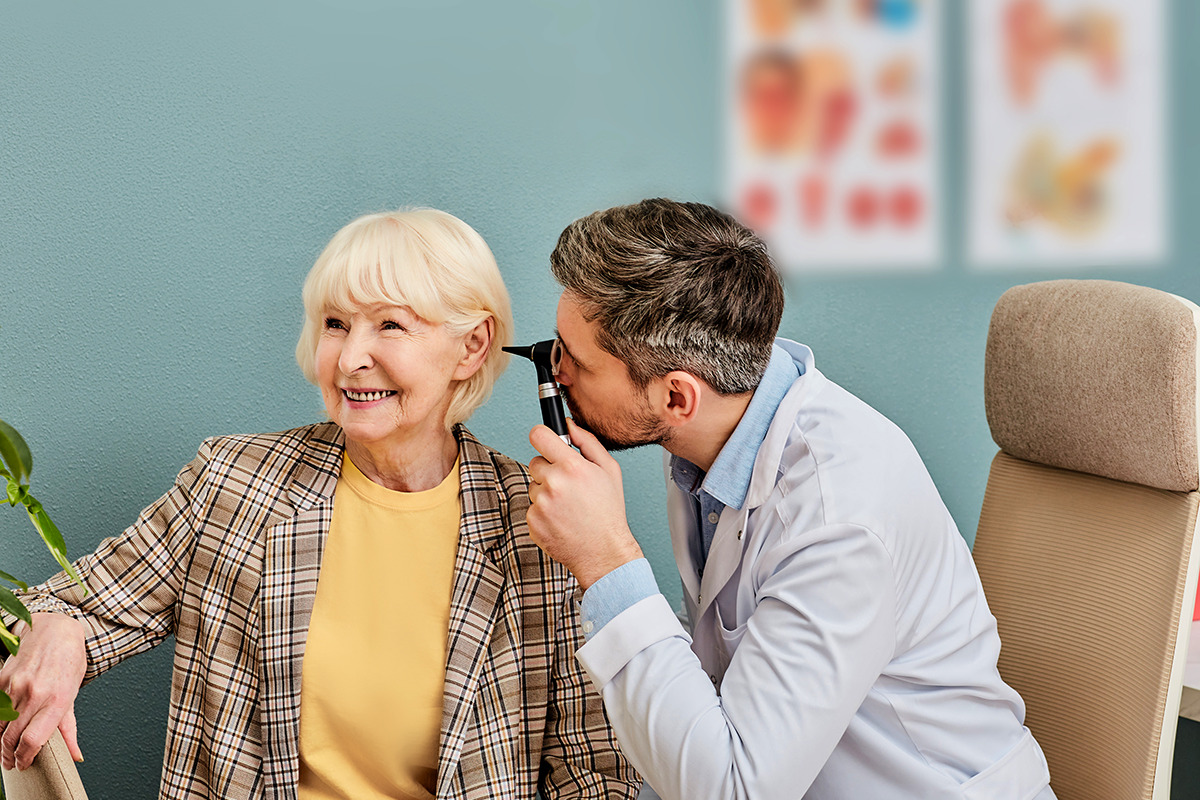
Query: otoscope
x=542, y=356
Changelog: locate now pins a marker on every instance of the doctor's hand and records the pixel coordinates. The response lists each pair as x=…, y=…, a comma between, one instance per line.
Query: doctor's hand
x=42, y=680
x=577, y=514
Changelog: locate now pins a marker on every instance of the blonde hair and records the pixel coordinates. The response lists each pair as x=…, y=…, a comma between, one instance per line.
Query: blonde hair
x=422, y=258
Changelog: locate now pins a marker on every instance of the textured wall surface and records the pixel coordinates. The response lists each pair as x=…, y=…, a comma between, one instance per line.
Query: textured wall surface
x=168, y=173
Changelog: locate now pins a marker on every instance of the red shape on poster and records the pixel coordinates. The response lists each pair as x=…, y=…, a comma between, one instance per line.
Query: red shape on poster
x=905, y=206
x=759, y=206
x=898, y=139
x=813, y=194
x=840, y=108
x=862, y=207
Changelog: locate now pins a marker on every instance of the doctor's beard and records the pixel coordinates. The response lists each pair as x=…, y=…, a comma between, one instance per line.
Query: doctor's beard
x=632, y=429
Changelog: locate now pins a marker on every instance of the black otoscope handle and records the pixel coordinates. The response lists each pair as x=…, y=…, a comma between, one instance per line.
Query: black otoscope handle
x=552, y=410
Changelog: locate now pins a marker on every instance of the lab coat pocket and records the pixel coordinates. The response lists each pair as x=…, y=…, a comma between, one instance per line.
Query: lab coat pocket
x=1021, y=774
x=729, y=638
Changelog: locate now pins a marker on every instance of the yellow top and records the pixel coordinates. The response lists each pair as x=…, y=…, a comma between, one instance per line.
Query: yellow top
x=375, y=660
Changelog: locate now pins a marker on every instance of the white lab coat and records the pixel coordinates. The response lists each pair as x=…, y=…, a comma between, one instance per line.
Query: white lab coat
x=842, y=644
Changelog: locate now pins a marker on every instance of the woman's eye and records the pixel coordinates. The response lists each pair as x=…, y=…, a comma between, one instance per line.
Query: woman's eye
x=392, y=325
x=334, y=324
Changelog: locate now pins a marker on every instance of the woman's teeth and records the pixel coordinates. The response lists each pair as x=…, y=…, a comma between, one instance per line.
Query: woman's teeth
x=366, y=397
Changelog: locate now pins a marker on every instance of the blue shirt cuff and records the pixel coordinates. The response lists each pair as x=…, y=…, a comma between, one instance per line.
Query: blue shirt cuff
x=615, y=592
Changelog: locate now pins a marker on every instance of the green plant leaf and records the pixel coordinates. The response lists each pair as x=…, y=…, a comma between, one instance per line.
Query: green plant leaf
x=11, y=643
x=4, y=576
x=41, y=520
x=7, y=712
x=14, y=452
x=52, y=537
x=10, y=603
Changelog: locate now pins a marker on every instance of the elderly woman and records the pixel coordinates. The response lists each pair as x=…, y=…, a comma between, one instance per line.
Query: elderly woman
x=357, y=608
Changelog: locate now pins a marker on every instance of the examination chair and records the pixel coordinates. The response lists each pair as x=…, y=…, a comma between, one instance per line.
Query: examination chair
x=1086, y=544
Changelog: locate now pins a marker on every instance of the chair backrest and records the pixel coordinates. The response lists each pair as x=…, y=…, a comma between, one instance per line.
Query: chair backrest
x=52, y=776
x=1085, y=543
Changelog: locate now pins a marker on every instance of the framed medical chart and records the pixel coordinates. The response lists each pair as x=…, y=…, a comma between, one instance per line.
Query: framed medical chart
x=832, y=130
x=1066, y=132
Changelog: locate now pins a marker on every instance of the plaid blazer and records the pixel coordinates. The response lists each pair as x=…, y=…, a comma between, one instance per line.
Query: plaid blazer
x=228, y=560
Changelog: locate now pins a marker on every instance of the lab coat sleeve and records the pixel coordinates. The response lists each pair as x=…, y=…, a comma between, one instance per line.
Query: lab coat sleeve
x=822, y=631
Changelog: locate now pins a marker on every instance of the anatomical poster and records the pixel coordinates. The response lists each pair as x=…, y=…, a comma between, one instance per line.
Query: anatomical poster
x=1066, y=130
x=831, y=138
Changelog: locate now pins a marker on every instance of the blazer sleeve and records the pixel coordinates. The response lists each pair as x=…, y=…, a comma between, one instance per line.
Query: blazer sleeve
x=133, y=580
x=580, y=754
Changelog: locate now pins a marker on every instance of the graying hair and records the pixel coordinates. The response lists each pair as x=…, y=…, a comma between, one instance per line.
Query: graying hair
x=674, y=286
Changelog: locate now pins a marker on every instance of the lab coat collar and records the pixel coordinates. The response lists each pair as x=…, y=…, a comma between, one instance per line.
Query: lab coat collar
x=728, y=480
x=724, y=556
x=766, y=464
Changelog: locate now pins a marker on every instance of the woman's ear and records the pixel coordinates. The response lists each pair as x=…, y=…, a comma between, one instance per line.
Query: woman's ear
x=476, y=345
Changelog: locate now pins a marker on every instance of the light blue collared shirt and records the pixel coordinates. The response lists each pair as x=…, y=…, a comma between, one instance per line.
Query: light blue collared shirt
x=725, y=484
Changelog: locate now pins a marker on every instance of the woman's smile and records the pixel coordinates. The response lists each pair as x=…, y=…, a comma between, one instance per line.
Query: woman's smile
x=366, y=397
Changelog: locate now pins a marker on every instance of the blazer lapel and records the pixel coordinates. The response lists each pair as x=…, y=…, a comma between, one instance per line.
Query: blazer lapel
x=294, y=547
x=479, y=584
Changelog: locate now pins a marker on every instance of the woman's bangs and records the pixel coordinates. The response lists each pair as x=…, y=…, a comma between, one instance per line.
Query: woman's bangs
x=380, y=266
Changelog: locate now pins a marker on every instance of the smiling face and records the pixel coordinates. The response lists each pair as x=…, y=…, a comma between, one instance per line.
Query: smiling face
x=597, y=387
x=387, y=375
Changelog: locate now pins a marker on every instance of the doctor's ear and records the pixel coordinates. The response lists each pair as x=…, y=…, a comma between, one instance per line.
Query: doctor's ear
x=678, y=399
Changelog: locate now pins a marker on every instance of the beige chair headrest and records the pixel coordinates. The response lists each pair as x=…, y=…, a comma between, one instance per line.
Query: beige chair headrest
x=1096, y=377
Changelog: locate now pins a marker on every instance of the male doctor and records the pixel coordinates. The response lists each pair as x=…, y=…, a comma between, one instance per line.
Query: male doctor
x=841, y=645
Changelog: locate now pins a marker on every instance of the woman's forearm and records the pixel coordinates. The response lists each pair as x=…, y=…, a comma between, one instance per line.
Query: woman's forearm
x=132, y=580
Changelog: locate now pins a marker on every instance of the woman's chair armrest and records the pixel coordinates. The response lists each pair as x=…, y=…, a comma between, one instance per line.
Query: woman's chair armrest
x=52, y=776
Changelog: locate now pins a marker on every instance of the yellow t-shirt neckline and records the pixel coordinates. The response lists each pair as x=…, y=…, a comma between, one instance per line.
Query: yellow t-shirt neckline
x=354, y=479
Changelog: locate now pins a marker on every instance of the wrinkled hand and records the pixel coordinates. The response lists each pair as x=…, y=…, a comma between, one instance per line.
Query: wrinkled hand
x=42, y=680
x=578, y=505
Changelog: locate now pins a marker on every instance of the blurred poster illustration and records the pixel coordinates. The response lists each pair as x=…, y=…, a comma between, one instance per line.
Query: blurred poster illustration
x=1066, y=131
x=832, y=131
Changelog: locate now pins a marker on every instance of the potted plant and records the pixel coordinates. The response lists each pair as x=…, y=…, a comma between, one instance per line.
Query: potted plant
x=16, y=463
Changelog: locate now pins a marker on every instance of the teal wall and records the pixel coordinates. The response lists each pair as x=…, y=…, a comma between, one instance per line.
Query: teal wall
x=168, y=173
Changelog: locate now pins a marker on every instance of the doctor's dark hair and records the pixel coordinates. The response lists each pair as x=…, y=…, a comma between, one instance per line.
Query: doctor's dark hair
x=674, y=286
